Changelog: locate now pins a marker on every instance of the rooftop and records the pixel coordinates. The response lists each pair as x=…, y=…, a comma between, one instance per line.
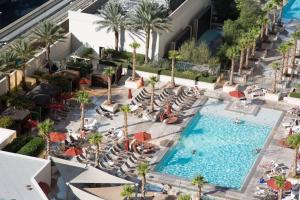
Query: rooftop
x=17, y=174
x=6, y=136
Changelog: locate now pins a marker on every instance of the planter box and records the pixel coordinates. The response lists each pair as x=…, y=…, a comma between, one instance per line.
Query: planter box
x=292, y=100
x=229, y=88
x=133, y=84
x=178, y=81
x=272, y=97
x=111, y=108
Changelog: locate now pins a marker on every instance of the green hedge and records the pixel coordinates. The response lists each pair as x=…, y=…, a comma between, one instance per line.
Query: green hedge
x=125, y=55
x=33, y=148
x=295, y=95
x=6, y=121
x=81, y=66
x=192, y=75
x=17, y=143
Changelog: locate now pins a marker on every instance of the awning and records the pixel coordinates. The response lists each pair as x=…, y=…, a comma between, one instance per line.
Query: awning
x=57, y=137
x=142, y=136
x=272, y=184
x=73, y=151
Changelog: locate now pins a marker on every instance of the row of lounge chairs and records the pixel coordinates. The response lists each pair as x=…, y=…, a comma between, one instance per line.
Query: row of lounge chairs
x=142, y=97
x=184, y=100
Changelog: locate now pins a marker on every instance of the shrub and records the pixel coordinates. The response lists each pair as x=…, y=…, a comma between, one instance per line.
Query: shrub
x=17, y=143
x=60, y=81
x=82, y=66
x=126, y=56
x=6, y=122
x=33, y=147
x=190, y=52
x=87, y=53
x=295, y=94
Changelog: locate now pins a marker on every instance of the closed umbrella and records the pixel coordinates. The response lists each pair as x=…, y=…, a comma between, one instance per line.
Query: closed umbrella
x=129, y=94
x=272, y=184
x=73, y=151
x=84, y=81
x=168, y=110
x=237, y=94
x=142, y=136
x=57, y=137
x=31, y=123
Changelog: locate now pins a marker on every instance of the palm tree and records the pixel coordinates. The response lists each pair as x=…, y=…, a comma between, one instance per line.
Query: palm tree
x=254, y=35
x=275, y=66
x=83, y=98
x=7, y=62
x=134, y=46
x=184, y=197
x=283, y=49
x=24, y=52
x=232, y=53
x=96, y=139
x=280, y=183
x=242, y=44
x=143, y=169
x=296, y=37
x=199, y=181
x=109, y=72
x=274, y=4
x=112, y=19
x=150, y=16
x=152, y=81
x=248, y=46
x=47, y=34
x=127, y=191
x=125, y=109
x=45, y=128
x=173, y=55
x=294, y=142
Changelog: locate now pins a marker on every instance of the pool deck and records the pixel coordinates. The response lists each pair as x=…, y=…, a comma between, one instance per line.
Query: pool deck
x=161, y=131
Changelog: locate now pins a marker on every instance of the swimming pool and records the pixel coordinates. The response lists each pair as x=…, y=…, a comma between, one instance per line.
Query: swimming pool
x=225, y=152
x=291, y=11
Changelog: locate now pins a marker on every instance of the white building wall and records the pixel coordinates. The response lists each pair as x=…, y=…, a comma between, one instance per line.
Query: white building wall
x=180, y=19
x=83, y=29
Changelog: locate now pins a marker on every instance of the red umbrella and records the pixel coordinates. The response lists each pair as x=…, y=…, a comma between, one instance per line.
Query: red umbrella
x=57, y=137
x=65, y=96
x=142, y=82
x=237, y=94
x=84, y=81
x=142, y=136
x=272, y=184
x=45, y=187
x=73, y=151
x=129, y=94
x=31, y=123
x=56, y=106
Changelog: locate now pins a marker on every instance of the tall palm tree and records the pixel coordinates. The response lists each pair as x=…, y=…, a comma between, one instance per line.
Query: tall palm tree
x=125, y=109
x=150, y=16
x=173, y=55
x=184, y=197
x=152, y=81
x=275, y=66
x=83, y=98
x=242, y=45
x=96, y=139
x=47, y=34
x=199, y=181
x=274, y=4
x=135, y=45
x=248, y=47
x=24, y=52
x=254, y=35
x=232, y=53
x=7, y=62
x=112, y=19
x=143, y=169
x=45, y=128
x=109, y=72
x=127, y=191
x=283, y=49
x=280, y=183
x=294, y=142
x=296, y=37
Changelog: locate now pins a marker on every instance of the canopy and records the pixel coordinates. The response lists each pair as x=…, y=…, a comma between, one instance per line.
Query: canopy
x=237, y=94
x=272, y=184
x=73, y=151
x=45, y=187
x=57, y=137
x=142, y=136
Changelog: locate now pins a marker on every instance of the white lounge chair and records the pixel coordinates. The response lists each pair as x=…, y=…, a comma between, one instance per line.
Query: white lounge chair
x=291, y=197
x=91, y=125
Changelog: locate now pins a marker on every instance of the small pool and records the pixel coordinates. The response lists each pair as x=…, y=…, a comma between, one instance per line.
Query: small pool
x=291, y=11
x=210, y=35
x=224, y=151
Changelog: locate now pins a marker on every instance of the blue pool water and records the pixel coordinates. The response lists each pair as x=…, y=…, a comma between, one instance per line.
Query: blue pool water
x=291, y=11
x=225, y=152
